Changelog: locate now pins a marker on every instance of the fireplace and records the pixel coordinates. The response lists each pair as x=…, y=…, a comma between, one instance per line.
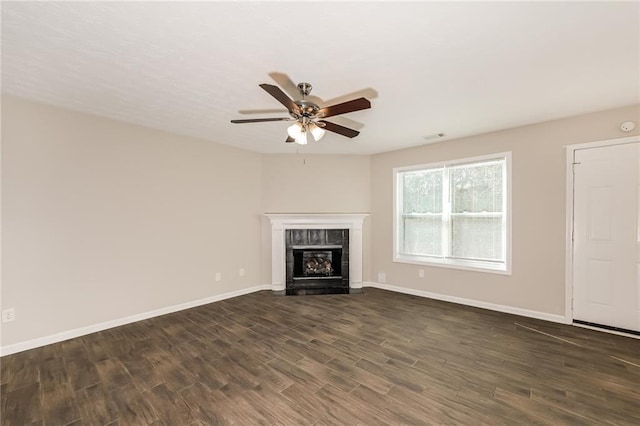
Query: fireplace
x=317, y=261
x=322, y=236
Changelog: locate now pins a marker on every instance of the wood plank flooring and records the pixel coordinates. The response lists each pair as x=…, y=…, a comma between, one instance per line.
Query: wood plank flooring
x=377, y=358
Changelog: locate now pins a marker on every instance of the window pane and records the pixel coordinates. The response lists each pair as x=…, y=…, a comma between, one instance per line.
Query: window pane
x=423, y=235
x=477, y=237
x=477, y=188
x=422, y=191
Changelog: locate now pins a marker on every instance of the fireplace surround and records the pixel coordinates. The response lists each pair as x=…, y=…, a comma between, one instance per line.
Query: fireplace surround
x=317, y=261
x=315, y=225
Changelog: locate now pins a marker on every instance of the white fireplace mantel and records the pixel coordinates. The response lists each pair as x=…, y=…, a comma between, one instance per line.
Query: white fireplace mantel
x=280, y=222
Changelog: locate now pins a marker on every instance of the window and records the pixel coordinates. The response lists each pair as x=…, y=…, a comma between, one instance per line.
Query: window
x=454, y=214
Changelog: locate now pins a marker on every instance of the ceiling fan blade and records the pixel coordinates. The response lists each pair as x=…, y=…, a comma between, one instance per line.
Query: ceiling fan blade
x=341, y=130
x=347, y=122
x=262, y=120
x=281, y=97
x=369, y=93
x=349, y=106
x=262, y=111
x=290, y=139
x=291, y=89
x=284, y=81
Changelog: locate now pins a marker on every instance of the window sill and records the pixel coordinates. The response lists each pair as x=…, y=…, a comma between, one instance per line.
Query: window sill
x=466, y=265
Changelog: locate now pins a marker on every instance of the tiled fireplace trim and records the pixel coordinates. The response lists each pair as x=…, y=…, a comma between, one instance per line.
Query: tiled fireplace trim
x=283, y=221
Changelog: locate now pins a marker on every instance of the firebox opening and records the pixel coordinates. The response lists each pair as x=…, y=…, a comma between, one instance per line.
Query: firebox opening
x=317, y=262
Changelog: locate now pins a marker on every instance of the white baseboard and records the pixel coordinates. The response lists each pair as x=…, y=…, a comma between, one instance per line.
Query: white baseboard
x=470, y=302
x=66, y=335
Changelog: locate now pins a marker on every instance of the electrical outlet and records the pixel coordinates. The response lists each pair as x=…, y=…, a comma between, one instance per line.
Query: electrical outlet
x=218, y=276
x=9, y=315
x=382, y=277
x=241, y=272
x=420, y=273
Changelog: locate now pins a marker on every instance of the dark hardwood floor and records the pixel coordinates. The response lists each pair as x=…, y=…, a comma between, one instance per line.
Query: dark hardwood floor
x=377, y=358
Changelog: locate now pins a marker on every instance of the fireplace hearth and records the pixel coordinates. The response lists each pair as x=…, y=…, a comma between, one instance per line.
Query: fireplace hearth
x=317, y=261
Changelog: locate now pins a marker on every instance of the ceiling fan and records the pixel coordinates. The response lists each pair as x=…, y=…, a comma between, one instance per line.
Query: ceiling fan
x=308, y=116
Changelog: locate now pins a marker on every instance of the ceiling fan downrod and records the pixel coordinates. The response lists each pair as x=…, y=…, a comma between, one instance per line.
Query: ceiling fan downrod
x=304, y=89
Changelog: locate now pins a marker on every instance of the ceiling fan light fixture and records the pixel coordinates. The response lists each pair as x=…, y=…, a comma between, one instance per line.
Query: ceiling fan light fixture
x=302, y=138
x=317, y=132
x=295, y=130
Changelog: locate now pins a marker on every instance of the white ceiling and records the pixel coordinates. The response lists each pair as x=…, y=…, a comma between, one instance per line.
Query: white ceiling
x=456, y=68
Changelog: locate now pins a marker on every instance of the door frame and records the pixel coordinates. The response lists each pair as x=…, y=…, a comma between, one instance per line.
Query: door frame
x=569, y=195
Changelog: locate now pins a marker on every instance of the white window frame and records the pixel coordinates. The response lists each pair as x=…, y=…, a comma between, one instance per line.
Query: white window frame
x=449, y=262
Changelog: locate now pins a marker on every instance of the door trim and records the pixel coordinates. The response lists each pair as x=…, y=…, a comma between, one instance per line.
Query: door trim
x=571, y=149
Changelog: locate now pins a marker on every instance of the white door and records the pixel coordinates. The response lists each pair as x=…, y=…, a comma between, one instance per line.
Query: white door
x=606, y=263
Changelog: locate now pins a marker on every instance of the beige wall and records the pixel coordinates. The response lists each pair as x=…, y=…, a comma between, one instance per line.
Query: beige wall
x=538, y=197
x=314, y=184
x=102, y=220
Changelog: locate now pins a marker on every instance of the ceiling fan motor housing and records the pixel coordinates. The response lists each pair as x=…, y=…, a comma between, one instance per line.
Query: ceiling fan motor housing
x=307, y=109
